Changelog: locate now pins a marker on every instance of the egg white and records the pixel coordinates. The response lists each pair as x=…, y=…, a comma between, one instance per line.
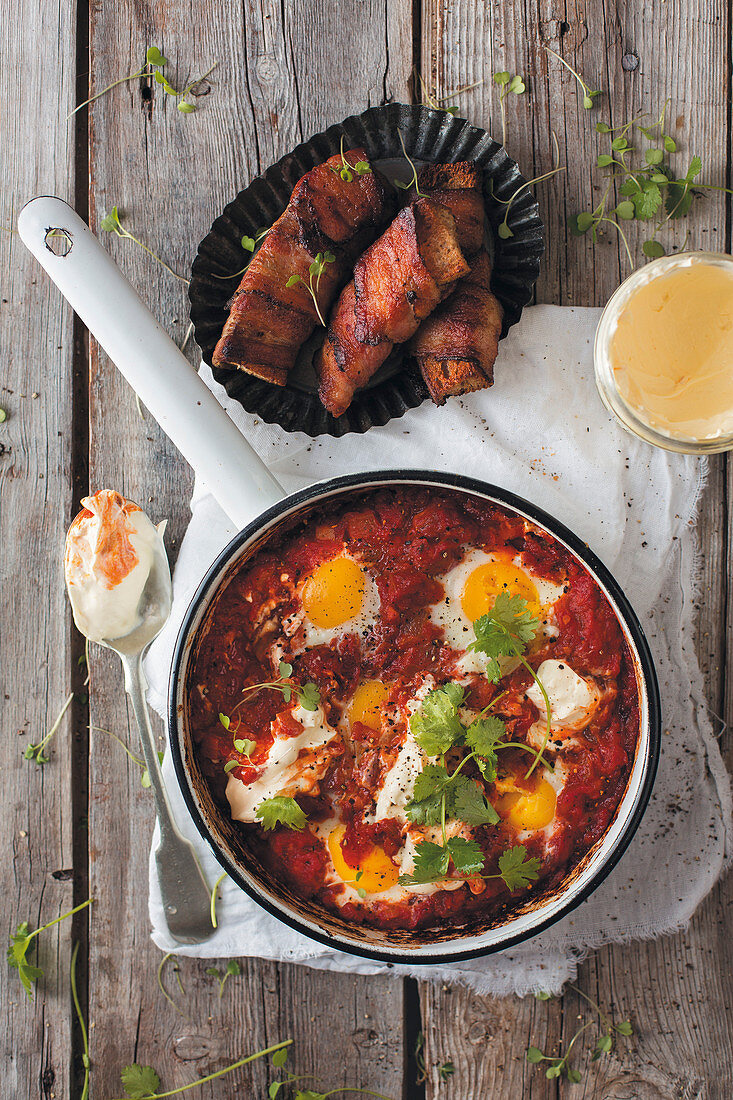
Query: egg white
x=458, y=629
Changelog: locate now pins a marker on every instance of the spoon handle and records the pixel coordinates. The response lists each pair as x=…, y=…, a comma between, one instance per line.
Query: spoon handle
x=184, y=891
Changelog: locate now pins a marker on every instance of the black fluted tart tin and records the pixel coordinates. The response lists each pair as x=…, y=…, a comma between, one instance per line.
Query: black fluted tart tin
x=430, y=136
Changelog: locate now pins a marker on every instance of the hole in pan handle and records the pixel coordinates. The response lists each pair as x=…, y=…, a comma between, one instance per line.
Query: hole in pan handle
x=160, y=374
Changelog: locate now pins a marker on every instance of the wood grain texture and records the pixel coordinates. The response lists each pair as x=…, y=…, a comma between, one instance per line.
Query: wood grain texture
x=678, y=988
x=171, y=175
x=36, y=357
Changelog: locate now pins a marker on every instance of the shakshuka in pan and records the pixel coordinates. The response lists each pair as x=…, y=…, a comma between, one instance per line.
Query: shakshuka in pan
x=420, y=706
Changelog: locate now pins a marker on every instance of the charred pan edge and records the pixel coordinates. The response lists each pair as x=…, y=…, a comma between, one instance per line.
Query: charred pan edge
x=222, y=836
x=428, y=135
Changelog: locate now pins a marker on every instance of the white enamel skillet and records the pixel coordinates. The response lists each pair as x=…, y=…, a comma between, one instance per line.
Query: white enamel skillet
x=249, y=494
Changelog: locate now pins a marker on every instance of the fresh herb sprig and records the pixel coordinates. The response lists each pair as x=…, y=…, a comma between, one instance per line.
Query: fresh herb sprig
x=144, y=773
x=412, y=182
x=508, y=84
x=85, y=1058
x=249, y=244
x=163, y=990
x=589, y=94
x=37, y=753
x=233, y=969
x=143, y=1082
x=111, y=223
x=505, y=631
x=20, y=943
x=281, y=810
x=438, y=103
x=315, y=271
x=346, y=171
x=308, y=696
x=560, y=1065
x=440, y=795
x=154, y=65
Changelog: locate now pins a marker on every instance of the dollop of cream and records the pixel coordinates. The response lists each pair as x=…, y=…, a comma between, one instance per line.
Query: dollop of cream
x=572, y=698
x=110, y=550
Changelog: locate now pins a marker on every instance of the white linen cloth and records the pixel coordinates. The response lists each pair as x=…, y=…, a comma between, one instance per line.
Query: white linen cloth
x=542, y=432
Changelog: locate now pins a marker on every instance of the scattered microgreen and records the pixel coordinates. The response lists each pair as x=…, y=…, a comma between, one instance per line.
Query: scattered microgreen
x=144, y=773
x=504, y=230
x=446, y=1070
x=20, y=942
x=249, y=244
x=315, y=271
x=559, y=1065
x=111, y=223
x=142, y=1082
x=505, y=631
x=85, y=1059
x=437, y=103
x=589, y=94
x=648, y=189
x=3, y=415
x=412, y=182
x=162, y=988
x=280, y=811
x=508, y=84
x=37, y=753
x=214, y=895
x=346, y=171
x=154, y=64
x=233, y=969
x=308, y=695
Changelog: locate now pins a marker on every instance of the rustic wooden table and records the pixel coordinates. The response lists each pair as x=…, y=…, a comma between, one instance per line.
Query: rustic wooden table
x=80, y=826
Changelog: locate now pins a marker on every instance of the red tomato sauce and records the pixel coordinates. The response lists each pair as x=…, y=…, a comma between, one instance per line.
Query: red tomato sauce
x=406, y=541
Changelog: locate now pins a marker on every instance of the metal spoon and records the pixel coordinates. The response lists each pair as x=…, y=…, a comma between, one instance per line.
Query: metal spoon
x=185, y=893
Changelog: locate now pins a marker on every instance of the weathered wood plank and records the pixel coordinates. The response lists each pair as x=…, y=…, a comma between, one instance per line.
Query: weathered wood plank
x=677, y=989
x=284, y=71
x=36, y=365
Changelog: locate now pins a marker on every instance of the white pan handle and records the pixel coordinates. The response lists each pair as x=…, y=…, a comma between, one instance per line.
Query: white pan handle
x=156, y=369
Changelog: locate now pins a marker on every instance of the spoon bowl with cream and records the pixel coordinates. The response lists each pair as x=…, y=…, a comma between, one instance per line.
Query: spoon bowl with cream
x=119, y=585
x=664, y=353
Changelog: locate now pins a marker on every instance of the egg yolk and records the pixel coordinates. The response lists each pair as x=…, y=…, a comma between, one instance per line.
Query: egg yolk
x=367, y=703
x=528, y=810
x=378, y=872
x=487, y=581
x=334, y=592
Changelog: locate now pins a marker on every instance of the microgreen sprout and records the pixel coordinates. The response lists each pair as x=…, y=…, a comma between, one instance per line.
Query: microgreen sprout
x=232, y=969
x=504, y=229
x=437, y=103
x=154, y=65
x=162, y=988
x=85, y=1059
x=3, y=415
x=560, y=1065
x=413, y=181
x=315, y=271
x=214, y=895
x=142, y=1082
x=111, y=223
x=249, y=244
x=589, y=94
x=37, y=753
x=20, y=942
x=144, y=773
x=507, y=83
x=346, y=171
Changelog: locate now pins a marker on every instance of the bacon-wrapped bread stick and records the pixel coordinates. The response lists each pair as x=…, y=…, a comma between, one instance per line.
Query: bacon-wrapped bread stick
x=269, y=320
x=460, y=188
x=398, y=281
x=457, y=345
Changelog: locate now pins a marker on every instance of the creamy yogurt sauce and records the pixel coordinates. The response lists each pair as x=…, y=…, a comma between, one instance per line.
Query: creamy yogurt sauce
x=110, y=550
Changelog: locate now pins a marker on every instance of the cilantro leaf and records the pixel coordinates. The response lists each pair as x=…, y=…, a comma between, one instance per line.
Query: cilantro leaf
x=467, y=802
x=436, y=726
x=468, y=859
x=280, y=811
x=431, y=864
x=504, y=632
x=139, y=1081
x=516, y=870
x=647, y=201
x=482, y=737
x=309, y=696
x=425, y=806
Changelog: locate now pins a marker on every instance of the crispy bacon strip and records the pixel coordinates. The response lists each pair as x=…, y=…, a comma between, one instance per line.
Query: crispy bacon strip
x=397, y=282
x=457, y=345
x=460, y=188
x=268, y=321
